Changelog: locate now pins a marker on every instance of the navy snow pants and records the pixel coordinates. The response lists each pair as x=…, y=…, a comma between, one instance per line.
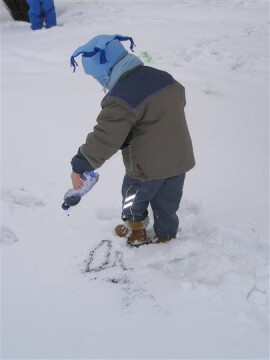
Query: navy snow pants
x=164, y=197
x=40, y=10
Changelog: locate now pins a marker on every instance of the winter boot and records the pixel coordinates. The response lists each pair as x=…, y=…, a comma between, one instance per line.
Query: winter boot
x=137, y=236
x=122, y=230
x=160, y=239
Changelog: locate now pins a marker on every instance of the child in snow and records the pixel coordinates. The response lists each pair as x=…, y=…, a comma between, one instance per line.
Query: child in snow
x=39, y=11
x=143, y=115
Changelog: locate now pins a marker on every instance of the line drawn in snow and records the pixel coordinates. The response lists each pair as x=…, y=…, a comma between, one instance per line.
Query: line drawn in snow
x=104, y=263
x=103, y=257
x=7, y=236
x=256, y=293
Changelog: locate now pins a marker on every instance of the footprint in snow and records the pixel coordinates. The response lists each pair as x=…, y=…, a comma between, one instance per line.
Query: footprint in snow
x=22, y=197
x=7, y=236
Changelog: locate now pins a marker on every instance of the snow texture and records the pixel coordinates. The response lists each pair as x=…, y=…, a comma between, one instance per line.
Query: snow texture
x=72, y=289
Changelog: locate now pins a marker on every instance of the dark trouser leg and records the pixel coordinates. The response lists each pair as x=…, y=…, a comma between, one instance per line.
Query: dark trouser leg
x=165, y=205
x=135, y=199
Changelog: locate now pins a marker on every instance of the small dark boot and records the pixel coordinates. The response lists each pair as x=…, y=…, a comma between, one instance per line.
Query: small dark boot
x=160, y=239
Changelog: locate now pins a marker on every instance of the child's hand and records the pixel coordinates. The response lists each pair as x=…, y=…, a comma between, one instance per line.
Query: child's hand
x=77, y=181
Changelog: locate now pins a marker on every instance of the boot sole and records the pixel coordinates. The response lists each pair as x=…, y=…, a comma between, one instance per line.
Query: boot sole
x=146, y=242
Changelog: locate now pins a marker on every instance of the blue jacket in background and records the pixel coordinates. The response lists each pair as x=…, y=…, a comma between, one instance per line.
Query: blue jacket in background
x=39, y=11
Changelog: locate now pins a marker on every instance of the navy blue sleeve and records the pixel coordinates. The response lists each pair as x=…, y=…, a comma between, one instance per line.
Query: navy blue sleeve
x=80, y=164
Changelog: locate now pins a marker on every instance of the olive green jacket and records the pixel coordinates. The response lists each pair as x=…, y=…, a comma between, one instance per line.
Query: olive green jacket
x=144, y=116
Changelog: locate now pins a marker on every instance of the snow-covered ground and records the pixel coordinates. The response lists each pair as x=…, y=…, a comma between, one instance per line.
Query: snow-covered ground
x=70, y=288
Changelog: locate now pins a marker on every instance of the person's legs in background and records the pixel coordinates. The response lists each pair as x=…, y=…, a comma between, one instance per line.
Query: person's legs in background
x=48, y=9
x=35, y=14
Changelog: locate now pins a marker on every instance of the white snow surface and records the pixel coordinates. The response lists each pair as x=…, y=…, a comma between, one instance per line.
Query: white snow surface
x=70, y=288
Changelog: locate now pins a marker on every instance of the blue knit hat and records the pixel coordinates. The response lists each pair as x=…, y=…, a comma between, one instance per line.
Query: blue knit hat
x=100, y=54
